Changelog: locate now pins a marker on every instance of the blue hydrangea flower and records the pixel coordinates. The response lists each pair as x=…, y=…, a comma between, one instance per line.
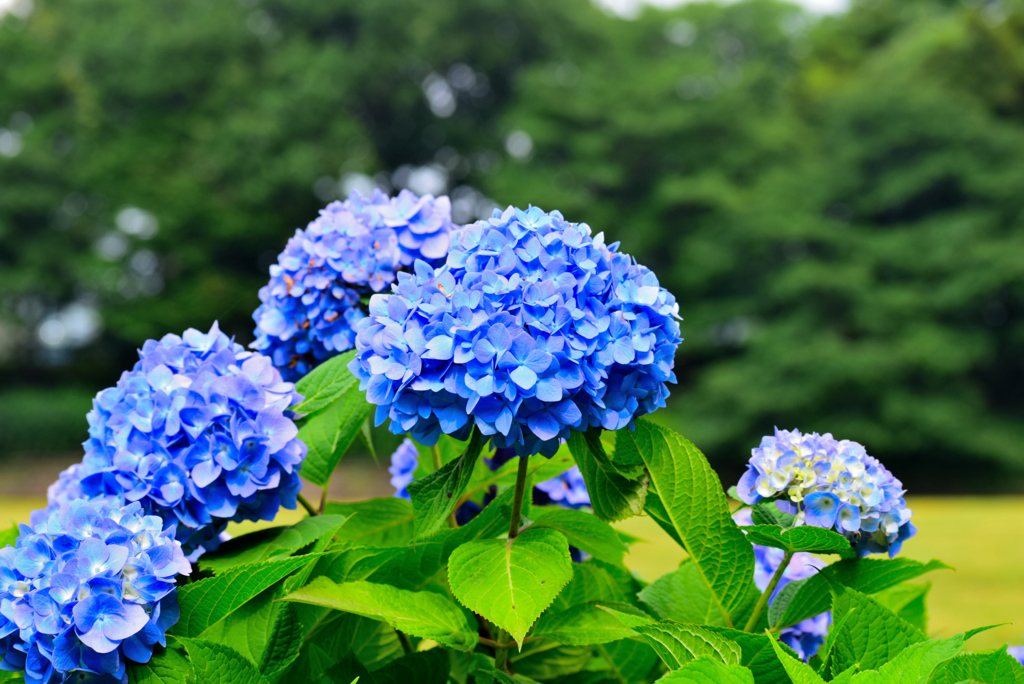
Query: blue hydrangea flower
x=832, y=484
x=1017, y=652
x=533, y=328
x=404, y=462
x=354, y=248
x=86, y=589
x=568, y=490
x=199, y=432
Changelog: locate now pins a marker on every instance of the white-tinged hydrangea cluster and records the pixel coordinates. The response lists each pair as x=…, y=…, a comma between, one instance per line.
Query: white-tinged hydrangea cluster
x=832, y=484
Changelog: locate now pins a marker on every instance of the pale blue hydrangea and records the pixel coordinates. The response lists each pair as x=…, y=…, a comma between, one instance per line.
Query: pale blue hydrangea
x=1017, y=652
x=532, y=329
x=354, y=248
x=199, y=432
x=832, y=484
x=567, y=490
x=87, y=589
x=404, y=462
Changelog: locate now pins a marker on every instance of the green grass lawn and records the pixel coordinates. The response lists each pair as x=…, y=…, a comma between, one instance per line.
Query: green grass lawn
x=980, y=537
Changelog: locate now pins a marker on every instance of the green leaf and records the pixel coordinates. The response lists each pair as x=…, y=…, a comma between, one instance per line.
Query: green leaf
x=377, y=522
x=426, y=667
x=206, y=602
x=767, y=513
x=219, y=664
x=629, y=661
x=330, y=433
x=9, y=536
x=584, y=531
x=804, y=538
x=283, y=644
x=340, y=637
x=167, y=666
x=869, y=634
x=758, y=655
x=695, y=504
x=908, y=601
x=799, y=672
x=991, y=667
x=613, y=496
x=540, y=469
x=806, y=598
x=484, y=672
x=421, y=614
x=705, y=670
x=511, y=582
x=586, y=624
x=273, y=542
x=436, y=496
x=325, y=383
x=595, y=581
x=683, y=596
x=915, y=662
x=546, y=660
x=677, y=644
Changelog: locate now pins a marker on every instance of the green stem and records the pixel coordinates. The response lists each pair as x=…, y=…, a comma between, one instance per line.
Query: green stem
x=501, y=653
x=308, y=506
x=323, y=499
x=769, y=590
x=438, y=463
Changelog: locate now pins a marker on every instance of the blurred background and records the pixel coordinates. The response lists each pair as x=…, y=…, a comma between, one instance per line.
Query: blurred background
x=834, y=192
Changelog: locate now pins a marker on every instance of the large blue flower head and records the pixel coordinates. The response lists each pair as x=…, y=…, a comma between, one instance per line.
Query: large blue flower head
x=87, y=588
x=833, y=484
x=199, y=432
x=354, y=248
x=533, y=328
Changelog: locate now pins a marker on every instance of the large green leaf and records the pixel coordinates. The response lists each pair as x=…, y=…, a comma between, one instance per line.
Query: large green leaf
x=914, y=663
x=705, y=670
x=511, y=582
x=426, y=667
x=546, y=660
x=584, y=530
x=629, y=661
x=341, y=637
x=422, y=614
x=585, y=624
x=758, y=655
x=219, y=664
x=695, y=504
x=677, y=644
x=991, y=667
x=908, y=601
x=802, y=538
x=683, y=596
x=868, y=634
x=799, y=672
x=269, y=543
x=596, y=581
x=806, y=598
x=436, y=496
x=283, y=642
x=377, y=522
x=325, y=383
x=167, y=666
x=206, y=602
x=613, y=496
x=330, y=433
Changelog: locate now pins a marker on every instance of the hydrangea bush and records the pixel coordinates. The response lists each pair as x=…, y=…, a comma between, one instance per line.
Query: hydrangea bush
x=521, y=357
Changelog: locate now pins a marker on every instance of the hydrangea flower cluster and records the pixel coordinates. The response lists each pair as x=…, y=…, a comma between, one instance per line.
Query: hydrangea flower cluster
x=533, y=328
x=199, y=432
x=404, y=462
x=568, y=489
x=86, y=589
x=355, y=247
x=832, y=484
x=1017, y=652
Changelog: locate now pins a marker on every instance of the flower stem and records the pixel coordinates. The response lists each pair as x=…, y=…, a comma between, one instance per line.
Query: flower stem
x=308, y=506
x=438, y=463
x=323, y=499
x=501, y=653
x=769, y=590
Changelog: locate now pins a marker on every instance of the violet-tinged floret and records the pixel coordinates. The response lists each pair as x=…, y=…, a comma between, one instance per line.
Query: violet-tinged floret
x=354, y=248
x=833, y=484
x=404, y=462
x=199, y=432
x=532, y=329
x=86, y=589
x=567, y=490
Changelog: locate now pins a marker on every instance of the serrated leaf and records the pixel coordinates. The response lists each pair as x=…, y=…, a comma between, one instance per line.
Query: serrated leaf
x=436, y=496
x=271, y=543
x=767, y=513
x=484, y=671
x=796, y=539
x=682, y=595
x=595, y=581
x=758, y=655
x=167, y=666
x=677, y=644
x=629, y=661
x=371, y=643
x=695, y=504
x=706, y=670
x=425, y=667
x=546, y=660
x=330, y=433
x=812, y=596
x=325, y=383
x=584, y=531
x=216, y=663
x=992, y=667
x=868, y=634
x=908, y=601
x=613, y=496
x=421, y=614
x=385, y=521
x=206, y=602
x=914, y=663
x=283, y=644
x=586, y=624
x=799, y=672
x=511, y=582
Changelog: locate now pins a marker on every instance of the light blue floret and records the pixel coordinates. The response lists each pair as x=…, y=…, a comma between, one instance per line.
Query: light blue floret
x=532, y=329
x=404, y=462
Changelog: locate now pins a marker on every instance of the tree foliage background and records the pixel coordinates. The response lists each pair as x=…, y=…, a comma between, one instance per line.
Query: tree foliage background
x=837, y=203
